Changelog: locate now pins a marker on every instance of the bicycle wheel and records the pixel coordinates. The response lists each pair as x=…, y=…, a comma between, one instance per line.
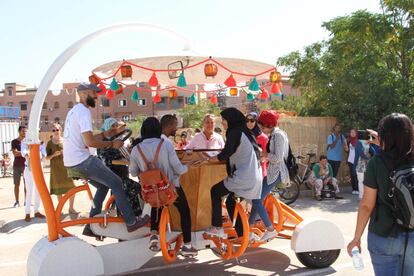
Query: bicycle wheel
x=290, y=193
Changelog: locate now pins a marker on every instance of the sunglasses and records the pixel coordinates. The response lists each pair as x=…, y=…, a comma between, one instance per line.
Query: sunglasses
x=55, y=130
x=250, y=121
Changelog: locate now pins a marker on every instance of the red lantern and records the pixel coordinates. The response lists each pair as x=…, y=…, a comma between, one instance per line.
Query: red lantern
x=213, y=99
x=210, y=70
x=153, y=81
x=234, y=91
x=103, y=89
x=230, y=81
x=275, y=88
x=94, y=79
x=109, y=94
x=156, y=98
x=275, y=76
x=264, y=95
x=172, y=93
x=120, y=90
x=126, y=71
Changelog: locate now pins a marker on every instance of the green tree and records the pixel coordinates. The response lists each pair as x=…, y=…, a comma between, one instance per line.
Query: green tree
x=363, y=71
x=135, y=125
x=193, y=114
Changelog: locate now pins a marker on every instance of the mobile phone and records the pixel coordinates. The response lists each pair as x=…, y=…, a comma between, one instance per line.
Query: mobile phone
x=363, y=135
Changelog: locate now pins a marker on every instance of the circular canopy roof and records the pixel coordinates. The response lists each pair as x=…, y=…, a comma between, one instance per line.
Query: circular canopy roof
x=193, y=75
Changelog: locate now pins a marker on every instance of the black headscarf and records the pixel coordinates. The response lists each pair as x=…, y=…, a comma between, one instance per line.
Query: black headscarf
x=236, y=125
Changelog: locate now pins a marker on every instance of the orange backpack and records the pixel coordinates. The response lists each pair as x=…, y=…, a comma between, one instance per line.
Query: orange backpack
x=156, y=188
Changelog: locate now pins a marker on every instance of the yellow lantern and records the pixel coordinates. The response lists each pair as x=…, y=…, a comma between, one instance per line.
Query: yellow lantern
x=172, y=93
x=234, y=91
x=275, y=76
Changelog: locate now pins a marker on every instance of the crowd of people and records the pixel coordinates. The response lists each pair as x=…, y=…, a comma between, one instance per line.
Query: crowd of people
x=254, y=149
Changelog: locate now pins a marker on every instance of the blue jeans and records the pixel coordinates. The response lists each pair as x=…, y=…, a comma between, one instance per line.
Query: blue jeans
x=104, y=179
x=257, y=204
x=387, y=254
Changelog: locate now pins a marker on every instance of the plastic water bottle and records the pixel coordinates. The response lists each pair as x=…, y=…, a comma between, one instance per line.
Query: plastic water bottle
x=357, y=259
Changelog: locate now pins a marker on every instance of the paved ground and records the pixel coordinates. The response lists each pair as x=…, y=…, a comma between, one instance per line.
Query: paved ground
x=17, y=238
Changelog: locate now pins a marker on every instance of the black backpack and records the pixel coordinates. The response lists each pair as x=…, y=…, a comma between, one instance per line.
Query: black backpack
x=402, y=195
x=290, y=162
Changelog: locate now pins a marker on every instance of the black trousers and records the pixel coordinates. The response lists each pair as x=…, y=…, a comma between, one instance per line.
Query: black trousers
x=354, y=179
x=217, y=192
x=185, y=217
x=335, y=166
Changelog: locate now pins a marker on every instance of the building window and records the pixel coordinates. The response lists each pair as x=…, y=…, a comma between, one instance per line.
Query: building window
x=56, y=105
x=162, y=105
x=104, y=102
x=122, y=103
x=126, y=118
x=10, y=90
x=57, y=120
x=105, y=115
x=44, y=106
x=23, y=106
x=25, y=120
x=177, y=103
x=10, y=104
x=70, y=104
x=45, y=119
x=142, y=102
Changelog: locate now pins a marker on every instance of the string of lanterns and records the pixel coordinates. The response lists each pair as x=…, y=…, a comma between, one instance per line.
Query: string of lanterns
x=211, y=67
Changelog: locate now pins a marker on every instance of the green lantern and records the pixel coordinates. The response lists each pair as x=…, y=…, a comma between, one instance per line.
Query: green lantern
x=135, y=96
x=181, y=81
x=250, y=97
x=254, y=85
x=114, y=85
x=192, y=99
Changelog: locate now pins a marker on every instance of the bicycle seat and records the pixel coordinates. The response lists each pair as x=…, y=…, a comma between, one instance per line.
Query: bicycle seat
x=311, y=154
x=76, y=174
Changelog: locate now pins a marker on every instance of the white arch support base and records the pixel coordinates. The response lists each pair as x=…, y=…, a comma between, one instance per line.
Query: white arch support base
x=316, y=235
x=73, y=256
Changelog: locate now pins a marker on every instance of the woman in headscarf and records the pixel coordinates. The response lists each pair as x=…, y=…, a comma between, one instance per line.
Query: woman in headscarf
x=261, y=138
x=243, y=168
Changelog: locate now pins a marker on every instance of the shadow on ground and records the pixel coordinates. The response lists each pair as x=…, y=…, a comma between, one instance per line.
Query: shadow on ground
x=255, y=261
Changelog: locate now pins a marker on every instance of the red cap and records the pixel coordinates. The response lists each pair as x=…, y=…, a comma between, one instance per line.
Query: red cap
x=268, y=118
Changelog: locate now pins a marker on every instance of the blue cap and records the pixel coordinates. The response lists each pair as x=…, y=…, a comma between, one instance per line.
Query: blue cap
x=88, y=86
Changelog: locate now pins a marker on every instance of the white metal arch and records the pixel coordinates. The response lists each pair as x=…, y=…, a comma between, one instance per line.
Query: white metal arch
x=32, y=136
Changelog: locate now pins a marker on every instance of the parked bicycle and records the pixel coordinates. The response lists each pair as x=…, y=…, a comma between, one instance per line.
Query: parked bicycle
x=291, y=192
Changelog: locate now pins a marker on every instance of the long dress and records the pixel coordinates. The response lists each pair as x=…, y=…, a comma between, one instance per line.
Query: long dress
x=60, y=183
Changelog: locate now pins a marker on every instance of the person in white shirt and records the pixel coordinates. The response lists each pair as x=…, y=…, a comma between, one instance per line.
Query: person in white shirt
x=169, y=125
x=207, y=139
x=77, y=157
x=29, y=182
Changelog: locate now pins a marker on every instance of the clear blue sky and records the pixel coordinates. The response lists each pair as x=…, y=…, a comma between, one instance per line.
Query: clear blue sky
x=34, y=33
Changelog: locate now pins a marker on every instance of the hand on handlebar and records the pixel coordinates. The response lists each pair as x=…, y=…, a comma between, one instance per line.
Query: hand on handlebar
x=116, y=144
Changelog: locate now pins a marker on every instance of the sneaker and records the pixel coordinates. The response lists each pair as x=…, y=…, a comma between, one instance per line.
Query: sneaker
x=253, y=238
x=140, y=222
x=216, y=232
x=268, y=235
x=353, y=192
x=154, y=243
x=27, y=218
x=39, y=215
x=87, y=231
x=16, y=204
x=188, y=251
x=357, y=192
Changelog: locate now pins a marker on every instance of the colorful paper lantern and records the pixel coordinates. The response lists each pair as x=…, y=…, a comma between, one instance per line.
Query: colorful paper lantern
x=109, y=94
x=264, y=95
x=254, y=85
x=181, y=80
x=120, y=90
x=94, y=79
x=230, y=81
x=126, y=71
x=153, y=81
x=234, y=92
x=103, y=89
x=275, y=88
x=156, y=98
x=192, y=99
x=250, y=97
x=172, y=93
x=135, y=96
x=213, y=99
x=275, y=76
x=114, y=85
x=210, y=70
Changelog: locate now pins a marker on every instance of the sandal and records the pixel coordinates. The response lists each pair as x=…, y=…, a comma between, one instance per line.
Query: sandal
x=154, y=244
